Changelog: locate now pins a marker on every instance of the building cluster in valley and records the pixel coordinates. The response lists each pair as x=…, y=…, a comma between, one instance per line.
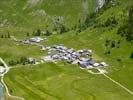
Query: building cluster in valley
x=81, y=57
x=61, y=53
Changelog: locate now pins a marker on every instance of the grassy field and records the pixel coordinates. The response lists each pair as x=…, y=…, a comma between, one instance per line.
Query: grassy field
x=62, y=81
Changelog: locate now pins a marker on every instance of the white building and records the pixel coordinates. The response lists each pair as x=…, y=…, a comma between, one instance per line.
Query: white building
x=37, y=39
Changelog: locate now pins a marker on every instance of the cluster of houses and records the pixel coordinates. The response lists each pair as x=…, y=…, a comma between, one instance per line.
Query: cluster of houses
x=61, y=53
x=81, y=57
x=33, y=40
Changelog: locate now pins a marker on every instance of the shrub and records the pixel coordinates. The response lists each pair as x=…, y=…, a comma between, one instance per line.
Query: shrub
x=108, y=52
x=111, y=22
x=48, y=33
x=131, y=56
x=23, y=60
x=119, y=60
x=37, y=32
x=63, y=29
x=112, y=44
x=12, y=63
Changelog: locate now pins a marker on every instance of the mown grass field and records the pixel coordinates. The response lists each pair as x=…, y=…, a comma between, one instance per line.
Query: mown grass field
x=62, y=81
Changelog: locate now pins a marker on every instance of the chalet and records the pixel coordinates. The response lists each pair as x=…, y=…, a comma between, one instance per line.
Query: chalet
x=43, y=48
x=31, y=61
x=37, y=39
x=104, y=64
x=26, y=42
x=96, y=64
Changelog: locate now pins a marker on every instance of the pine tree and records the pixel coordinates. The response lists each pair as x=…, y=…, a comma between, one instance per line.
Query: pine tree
x=8, y=35
x=27, y=34
x=38, y=32
x=63, y=29
x=48, y=33
x=2, y=36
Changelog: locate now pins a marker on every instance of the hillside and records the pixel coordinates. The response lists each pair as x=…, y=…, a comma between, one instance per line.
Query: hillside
x=88, y=28
x=39, y=13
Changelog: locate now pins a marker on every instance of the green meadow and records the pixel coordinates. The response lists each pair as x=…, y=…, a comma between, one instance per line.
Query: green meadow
x=62, y=81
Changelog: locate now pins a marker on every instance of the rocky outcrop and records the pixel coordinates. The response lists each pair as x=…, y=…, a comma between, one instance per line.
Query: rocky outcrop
x=101, y=3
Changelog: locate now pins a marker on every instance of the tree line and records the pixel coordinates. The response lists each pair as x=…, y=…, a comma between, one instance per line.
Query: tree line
x=5, y=35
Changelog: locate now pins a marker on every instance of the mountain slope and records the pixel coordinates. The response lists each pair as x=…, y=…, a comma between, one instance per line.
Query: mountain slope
x=63, y=81
x=38, y=13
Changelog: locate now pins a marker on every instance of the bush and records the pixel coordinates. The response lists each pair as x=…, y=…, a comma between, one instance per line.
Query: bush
x=37, y=32
x=119, y=60
x=107, y=42
x=23, y=60
x=63, y=29
x=108, y=52
x=48, y=33
x=123, y=30
x=113, y=44
x=131, y=56
x=119, y=42
x=12, y=63
x=111, y=22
